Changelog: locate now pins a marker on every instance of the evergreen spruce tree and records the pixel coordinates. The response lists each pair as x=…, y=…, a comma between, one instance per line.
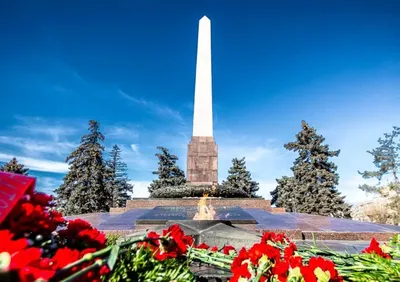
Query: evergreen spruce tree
x=240, y=178
x=169, y=174
x=314, y=178
x=254, y=187
x=15, y=167
x=84, y=189
x=283, y=195
x=117, y=179
x=386, y=159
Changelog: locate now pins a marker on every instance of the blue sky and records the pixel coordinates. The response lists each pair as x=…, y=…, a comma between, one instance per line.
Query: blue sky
x=131, y=66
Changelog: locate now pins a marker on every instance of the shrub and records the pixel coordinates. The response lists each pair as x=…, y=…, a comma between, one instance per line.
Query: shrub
x=188, y=190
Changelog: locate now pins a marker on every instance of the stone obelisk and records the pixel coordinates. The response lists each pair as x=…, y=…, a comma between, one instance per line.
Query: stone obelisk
x=202, y=160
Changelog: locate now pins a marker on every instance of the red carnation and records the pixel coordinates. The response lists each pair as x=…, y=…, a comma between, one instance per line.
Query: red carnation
x=27, y=263
x=41, y=199
x=33, y=273
x=27, y=217
x=241, y=271
x=214, y=249
x=238, y=260
x=93, y=238
x=160, y=255
x=308, y=274
x=295, y=261
x=175, y=233
x=152, y=243
x=173, y=244
x=226, y=249
x=74, y=227
x=374, y=248
x=24, y=257
x=281, y=269
x=64, y=256
x=324, y=264
x=153, y=235
x=260, y=249
x=57, y=217
x=274, y=237
x=289, y=250
x=188, y=240
x=31, y=266
x=11, y=246
x=203, y=246
x=82, y=235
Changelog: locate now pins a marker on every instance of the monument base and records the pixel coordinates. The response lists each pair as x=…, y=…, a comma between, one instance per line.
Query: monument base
x=203, y=183
x=149, y=203
x=202, y=161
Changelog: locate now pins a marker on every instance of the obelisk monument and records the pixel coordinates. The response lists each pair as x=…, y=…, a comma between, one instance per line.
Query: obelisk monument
x=202, y=160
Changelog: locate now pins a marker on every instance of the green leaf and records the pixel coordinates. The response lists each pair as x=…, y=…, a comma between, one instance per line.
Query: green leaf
x=112, y=259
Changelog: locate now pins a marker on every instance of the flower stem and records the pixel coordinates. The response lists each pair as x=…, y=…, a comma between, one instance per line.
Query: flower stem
x=90, y=256
x=83, y=271
x=141, y=239
x=211, y=262
x=86, y=258
x=211, y=256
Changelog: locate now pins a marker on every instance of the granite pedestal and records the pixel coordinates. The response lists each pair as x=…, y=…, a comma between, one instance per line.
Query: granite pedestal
x=202, y=161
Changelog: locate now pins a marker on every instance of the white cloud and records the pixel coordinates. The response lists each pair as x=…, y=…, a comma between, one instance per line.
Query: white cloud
x=349, y=188
x=160, y=110
x=136, y=162
x=38, y=143
x=34, y=147
x=47, y=184
x=264, y=161
x=252, y=154
x=39, y=126
x=140, y=188
x=38, y=164
x=135, y=148
x=266, y=186
x=121, y=132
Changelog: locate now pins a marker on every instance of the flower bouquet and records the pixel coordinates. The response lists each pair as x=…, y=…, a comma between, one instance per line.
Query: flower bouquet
x=38, y=244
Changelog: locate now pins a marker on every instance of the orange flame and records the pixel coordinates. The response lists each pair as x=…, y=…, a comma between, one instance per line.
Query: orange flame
x=204, y=212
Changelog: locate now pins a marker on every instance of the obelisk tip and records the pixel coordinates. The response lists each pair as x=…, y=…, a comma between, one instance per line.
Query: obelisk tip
x=204, y=18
